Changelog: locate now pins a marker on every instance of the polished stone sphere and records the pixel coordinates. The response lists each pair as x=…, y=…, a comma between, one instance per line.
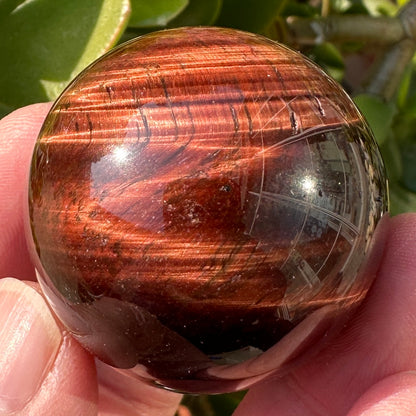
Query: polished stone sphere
x=202, y=208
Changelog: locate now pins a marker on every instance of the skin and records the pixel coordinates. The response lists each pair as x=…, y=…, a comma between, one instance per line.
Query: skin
x=369, y=369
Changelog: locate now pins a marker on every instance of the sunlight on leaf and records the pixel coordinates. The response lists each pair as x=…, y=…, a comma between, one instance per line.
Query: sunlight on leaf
x=151, y=13
x=380, y=7
x=45, y=43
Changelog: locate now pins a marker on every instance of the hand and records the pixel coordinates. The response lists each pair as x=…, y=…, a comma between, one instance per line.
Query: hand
x=43, y=371
x=370, y=368
x=367, y=370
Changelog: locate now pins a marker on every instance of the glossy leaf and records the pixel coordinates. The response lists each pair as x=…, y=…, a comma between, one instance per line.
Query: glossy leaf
x=6, y=6
x=154, y=13
x=250, y=15
x=198, y=13
x=45, y=43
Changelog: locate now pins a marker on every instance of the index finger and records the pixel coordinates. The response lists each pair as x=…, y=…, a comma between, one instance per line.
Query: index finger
x=18, y=133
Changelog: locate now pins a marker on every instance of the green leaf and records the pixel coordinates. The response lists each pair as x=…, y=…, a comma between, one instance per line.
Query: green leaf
x=401, y=3
x=405, y=124
x=198, y=13
x=328, y=54
x=403, y=90
x=211, y=405
x=225, y=404
x=4, y=110
x=342, y=6
x=329, y=58
x=378, y=113
x=250, y=15
x=408, y=152
x=336, y=73
x=380, y=7
x=390, y=151
x=401, y=199
x=294, y=8
x=45, y=43
x=6, y=6
x=153, y=13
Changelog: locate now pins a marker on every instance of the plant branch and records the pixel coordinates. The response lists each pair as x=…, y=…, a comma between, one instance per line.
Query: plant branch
x=388, y=71
x=385, y=78
x=397, y=34
x=362, y=28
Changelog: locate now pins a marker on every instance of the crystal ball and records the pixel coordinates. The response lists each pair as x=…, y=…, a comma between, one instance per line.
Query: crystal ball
x=203, y=206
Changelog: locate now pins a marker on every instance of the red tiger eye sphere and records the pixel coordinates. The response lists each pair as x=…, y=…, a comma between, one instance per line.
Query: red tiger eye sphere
x=202, y=205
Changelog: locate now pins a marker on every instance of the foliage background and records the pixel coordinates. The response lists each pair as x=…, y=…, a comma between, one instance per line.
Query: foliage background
x=45, y=43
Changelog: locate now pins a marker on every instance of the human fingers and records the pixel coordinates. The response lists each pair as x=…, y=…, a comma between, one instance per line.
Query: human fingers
x=18, y=132
x=43, y=370
x=378, y=342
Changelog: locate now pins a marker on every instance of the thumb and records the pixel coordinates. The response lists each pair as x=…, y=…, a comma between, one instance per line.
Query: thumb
x=393, y=395
x=42, y=371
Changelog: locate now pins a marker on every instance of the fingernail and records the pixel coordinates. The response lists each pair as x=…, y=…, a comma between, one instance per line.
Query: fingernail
x=29, y=342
